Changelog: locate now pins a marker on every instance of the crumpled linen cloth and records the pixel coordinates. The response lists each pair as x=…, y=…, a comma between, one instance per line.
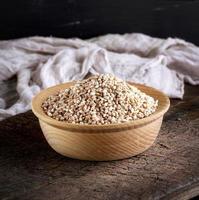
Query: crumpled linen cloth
x=41, y=62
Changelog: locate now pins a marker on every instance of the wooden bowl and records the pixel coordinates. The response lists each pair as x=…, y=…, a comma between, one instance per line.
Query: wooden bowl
x=101, y=142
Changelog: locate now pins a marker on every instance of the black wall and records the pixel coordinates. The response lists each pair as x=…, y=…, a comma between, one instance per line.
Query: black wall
x=88, y=18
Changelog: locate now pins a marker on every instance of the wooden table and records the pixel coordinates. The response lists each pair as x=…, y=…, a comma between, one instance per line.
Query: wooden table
x=30, y=169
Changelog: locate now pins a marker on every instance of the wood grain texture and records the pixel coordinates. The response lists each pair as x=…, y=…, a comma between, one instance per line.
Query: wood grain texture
x=30, y=169
x=101, y=142
x=101, y=146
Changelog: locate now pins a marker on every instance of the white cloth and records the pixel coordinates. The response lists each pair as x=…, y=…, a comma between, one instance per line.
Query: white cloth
x=41, y=62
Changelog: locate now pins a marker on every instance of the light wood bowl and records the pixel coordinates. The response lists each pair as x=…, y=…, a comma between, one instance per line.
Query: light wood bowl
x=101, y=142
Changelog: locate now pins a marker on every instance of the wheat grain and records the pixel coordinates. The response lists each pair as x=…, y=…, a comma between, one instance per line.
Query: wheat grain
x=100, y=99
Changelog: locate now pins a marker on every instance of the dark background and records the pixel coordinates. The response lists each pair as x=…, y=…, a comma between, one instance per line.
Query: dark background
x=88, y=18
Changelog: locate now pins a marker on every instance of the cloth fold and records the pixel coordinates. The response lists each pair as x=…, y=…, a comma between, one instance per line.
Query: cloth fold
x=41, y=62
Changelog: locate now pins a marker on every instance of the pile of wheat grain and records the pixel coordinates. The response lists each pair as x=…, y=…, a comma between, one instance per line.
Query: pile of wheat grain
x=100, y=99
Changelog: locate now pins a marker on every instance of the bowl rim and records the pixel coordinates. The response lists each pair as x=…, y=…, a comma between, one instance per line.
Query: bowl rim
x=163, y=106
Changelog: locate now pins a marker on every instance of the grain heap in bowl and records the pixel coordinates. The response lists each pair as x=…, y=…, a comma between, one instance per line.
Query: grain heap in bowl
x=99, y=100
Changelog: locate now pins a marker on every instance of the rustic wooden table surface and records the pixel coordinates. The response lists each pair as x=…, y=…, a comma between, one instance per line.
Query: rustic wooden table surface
x=30, y=169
